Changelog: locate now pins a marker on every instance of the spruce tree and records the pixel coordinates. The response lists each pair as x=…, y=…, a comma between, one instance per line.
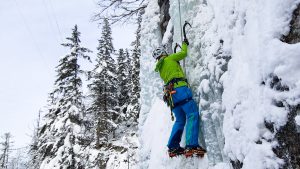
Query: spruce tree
x=123, y=83
x=136, y=54
x=34, y=161
x=103, y=88
x=61, y=139
x=128, y=56
x=5, y=150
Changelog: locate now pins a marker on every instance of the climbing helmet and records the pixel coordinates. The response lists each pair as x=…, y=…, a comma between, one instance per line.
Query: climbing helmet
x=158, y=52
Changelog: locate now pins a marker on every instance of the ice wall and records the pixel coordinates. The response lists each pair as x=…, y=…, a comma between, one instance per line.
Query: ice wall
x=149, y=80
x=197, y=72
x=205, y=65
x=235, y=56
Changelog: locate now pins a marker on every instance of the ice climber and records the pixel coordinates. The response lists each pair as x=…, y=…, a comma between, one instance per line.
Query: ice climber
x=178, y=96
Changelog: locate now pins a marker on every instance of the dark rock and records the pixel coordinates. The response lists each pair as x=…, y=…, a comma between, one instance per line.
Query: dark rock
x=294, y=34
x=278, y=103
x=286, y=136
x=270, y=126
x=288, y=140
x=236, y=164
x=259, y=142
x=277, y=84
x=164, y=15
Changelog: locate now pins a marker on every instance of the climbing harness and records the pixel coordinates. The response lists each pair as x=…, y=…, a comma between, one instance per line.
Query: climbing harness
x=176, y=80
x=169, y=91
x=169, y=87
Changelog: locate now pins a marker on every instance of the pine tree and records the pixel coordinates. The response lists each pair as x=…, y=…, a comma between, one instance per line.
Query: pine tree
x=34, y=161
x=5, y=150
x=61, y=138
x=135, y=93
x=129, y=69
x=19, y=159
x=103, y=88
x=123, y=83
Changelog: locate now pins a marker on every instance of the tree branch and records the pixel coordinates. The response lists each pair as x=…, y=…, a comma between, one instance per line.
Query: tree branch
x=119, y=10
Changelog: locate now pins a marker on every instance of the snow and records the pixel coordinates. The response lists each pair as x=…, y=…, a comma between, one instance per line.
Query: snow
x=297, y=119
x=112, y=123
x=150, y=35
x=155, y=136
x=257, y=53
x=234, y=48
x=204, y=86
x=126, y=157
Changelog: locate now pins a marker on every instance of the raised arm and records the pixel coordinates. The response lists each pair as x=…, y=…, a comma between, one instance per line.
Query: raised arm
x=180, y=55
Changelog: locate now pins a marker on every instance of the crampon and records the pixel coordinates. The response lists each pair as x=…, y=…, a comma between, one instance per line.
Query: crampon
x=197, y=151
x=176, y=152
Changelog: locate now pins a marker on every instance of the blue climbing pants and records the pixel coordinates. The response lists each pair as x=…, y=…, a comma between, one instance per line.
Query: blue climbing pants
x=186, y=111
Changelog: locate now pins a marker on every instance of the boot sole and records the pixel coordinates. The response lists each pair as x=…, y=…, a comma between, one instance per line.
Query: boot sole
x=198, y=154
x=171, y=155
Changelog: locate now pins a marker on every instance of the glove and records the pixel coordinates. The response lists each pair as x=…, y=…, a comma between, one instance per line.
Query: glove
x=186, y=41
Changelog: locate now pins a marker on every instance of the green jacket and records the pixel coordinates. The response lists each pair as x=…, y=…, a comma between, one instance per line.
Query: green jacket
x=169, y=67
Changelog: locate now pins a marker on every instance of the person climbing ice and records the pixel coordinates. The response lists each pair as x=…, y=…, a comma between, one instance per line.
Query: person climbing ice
x=178, y=96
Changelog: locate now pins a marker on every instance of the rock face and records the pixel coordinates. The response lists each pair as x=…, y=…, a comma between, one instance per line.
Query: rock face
x=287, y=136
x=164, y=6
x=294, y=34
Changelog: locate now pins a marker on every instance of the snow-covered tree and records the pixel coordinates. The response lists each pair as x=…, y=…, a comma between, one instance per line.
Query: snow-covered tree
x=5, y=150
x=61, y=138
x=129, y=69
x=103, y=88
x=135, y=76
x=19, y=159
x=123, y=81
x=33, y=147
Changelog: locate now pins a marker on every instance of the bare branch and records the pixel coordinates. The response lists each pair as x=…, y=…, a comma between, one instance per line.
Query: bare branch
x=119, y=10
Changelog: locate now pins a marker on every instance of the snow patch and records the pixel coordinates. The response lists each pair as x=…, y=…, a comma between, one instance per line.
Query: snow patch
x=297, y=119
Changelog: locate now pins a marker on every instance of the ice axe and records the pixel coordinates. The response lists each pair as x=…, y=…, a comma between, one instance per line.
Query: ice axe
x=184, y=31
x=184, y=35
x=176, y=46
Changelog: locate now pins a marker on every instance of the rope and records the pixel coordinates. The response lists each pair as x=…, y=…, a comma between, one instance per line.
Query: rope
x=49, y=20
x=179, y=7
x=56, y=22
x=50, y=11
x=39, y=52
x=180, y=20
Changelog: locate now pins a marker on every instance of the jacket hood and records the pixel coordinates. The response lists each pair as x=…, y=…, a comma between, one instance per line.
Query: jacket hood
x=159, y=64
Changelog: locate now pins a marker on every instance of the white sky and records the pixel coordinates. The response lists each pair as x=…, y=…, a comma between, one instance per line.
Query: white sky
x=31, y=32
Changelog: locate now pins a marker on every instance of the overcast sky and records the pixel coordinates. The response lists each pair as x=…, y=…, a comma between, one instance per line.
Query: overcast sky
x=31, y=32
